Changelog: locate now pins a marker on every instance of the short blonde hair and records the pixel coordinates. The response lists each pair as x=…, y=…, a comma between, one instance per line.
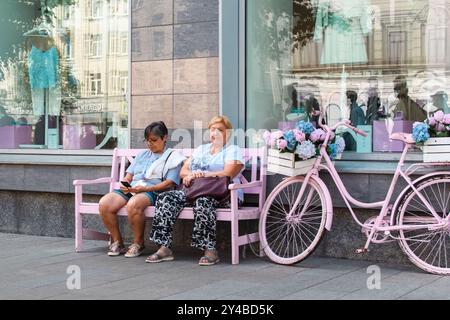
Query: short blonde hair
x=221, y=119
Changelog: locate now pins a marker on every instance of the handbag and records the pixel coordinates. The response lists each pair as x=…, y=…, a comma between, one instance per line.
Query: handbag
x=215, y=187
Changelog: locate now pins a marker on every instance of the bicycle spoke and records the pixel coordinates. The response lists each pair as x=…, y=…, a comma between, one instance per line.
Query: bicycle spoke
x=427, y=248
x=290, y=238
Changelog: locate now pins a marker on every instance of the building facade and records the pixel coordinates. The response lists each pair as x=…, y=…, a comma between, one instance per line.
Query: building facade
x=118, y=65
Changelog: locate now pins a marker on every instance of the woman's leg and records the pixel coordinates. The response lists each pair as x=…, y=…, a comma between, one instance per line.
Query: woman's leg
x=168, y=206
x=136, y=217
x=109, y=205
x=204, y=233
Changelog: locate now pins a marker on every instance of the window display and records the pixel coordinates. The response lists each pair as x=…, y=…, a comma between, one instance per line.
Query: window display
x=342, y=26
x=55, y=82
x=381, y=64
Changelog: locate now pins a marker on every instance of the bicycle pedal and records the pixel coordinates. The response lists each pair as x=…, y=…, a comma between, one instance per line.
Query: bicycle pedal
x=361, y=251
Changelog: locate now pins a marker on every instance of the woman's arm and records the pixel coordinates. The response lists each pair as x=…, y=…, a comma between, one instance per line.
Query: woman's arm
x=185, y=168
x=128, y=178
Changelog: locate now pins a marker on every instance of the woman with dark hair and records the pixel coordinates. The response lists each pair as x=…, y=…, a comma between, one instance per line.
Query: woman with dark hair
x=153, y=170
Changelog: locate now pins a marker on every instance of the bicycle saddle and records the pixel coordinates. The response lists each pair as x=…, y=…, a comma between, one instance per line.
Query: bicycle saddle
x=404, y=137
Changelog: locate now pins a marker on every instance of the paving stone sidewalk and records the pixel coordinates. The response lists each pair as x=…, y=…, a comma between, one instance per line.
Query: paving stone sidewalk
x=33, y=267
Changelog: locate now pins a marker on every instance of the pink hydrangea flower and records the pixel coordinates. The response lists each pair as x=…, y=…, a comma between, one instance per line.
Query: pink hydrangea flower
x=277, y=134
x=439, y=116
x=282, y=144
x=432, y=121
x=317, y=135
x=447, y=119
x=299, y=136
x=440, y=127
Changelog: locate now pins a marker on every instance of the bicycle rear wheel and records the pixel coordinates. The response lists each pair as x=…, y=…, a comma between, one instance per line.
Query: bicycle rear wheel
x=289, y=240
x=427, y=248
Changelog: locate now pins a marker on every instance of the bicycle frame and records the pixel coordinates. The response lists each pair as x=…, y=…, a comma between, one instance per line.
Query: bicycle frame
x=386, y=205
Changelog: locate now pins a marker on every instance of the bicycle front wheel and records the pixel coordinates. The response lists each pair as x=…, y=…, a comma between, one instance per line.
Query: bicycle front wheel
x=427, y=247
x=288, y=239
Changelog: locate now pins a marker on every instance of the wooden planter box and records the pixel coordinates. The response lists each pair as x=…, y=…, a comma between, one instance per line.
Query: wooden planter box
x=436, y=150
x=285, y=164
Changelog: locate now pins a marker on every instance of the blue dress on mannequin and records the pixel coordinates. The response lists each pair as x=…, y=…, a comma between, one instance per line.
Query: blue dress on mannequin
x=43, y=67
x=342, y=26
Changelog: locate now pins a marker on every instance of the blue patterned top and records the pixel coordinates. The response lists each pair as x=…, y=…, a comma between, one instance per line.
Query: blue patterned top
x=43, y=68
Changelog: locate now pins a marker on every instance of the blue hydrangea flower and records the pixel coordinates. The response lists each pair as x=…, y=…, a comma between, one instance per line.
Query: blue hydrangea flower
x=305, y=127
x=340, y=144
x=289, y=136
x=332, y=150
x=420, y=132
x=306, y=150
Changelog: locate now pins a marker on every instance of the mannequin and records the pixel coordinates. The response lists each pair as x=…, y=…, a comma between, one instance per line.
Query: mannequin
x=406, y=108
x=357, y=118
x=342, y=26
x=374, y=108
x=43, y=68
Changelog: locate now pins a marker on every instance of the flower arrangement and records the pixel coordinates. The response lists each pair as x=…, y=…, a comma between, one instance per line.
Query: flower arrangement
x=304, y=141
x=438, y=125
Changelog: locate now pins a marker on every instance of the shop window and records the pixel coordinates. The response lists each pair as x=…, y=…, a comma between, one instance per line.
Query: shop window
x=159, y=43
x=381, y=64
x=397, y=47
x=53, y=94
x=95, y=81
x=96, y=9
x=118, y=43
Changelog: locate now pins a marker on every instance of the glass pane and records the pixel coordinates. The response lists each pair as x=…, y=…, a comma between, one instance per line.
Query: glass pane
x=381, y=64
x=64, y=74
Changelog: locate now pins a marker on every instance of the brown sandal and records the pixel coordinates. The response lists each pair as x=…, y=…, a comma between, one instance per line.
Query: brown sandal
x=157, y=257
x=208, y=260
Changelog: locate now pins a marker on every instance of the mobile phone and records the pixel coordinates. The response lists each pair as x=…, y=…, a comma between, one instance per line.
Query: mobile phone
x=126, y=184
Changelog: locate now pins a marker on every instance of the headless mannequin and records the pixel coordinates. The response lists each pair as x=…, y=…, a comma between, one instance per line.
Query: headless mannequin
x=43, y=62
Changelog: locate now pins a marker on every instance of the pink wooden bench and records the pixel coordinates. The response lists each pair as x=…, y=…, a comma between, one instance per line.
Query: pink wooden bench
x=257, y=186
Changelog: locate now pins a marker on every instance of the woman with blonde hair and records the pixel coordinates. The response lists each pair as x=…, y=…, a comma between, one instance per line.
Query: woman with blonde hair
x=215, y=159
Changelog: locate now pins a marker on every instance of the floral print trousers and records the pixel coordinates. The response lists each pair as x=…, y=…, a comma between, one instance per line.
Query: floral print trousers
x=169, y=205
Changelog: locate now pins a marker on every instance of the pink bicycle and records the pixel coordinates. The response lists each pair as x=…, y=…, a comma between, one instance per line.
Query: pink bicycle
x=300, y=208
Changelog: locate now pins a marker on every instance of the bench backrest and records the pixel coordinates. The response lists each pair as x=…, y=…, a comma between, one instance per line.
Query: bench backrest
x=122, y=158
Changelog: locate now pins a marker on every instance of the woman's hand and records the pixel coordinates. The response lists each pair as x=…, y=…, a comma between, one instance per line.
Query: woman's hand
x=193, y=175
x=124, y=189
x=199, y=174
x=187, y=180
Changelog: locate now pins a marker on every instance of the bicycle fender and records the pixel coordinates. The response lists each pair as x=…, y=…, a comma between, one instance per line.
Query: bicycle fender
x=329, y=204
x=408, y=188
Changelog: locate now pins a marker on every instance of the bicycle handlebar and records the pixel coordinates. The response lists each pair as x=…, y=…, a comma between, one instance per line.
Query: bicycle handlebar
x=346, y=123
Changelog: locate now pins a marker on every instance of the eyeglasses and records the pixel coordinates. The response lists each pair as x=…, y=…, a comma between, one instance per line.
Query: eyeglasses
x=150, y=140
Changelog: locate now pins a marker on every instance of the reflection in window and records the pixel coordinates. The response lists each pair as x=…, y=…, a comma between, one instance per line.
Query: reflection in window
x=55, y=90
x=95, y=83
x=382, y=64
x=397, y=47
x=159, y=43
x=96, y=8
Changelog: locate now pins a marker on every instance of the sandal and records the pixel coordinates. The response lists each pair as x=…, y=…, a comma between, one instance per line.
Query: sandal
x=157, y=257
x=209, y=260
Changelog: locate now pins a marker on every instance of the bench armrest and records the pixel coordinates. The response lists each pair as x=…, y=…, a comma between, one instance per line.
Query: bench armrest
x=87, y=182
x=236, y=186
